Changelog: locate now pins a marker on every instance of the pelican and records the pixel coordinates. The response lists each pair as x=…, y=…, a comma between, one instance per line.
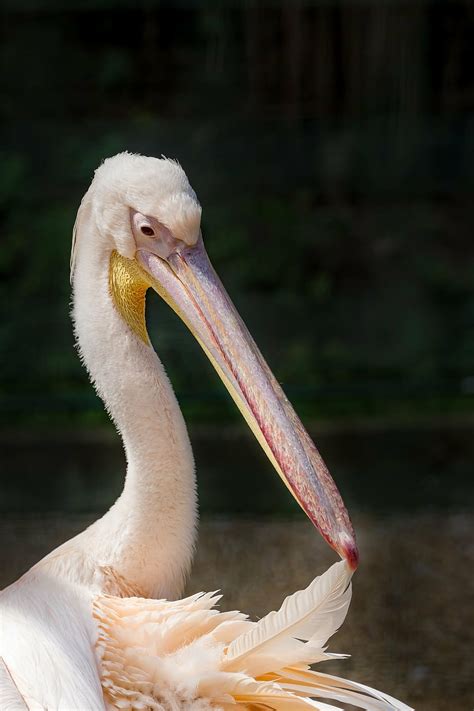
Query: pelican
x=98, y=623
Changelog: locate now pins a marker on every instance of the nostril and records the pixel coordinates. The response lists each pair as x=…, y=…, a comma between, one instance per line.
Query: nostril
x=146, y=230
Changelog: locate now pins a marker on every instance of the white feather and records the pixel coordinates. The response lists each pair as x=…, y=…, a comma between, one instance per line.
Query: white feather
x=363, y=701
x=312, y=614
x=10, y=697
x=312, y=683
x=47, y=640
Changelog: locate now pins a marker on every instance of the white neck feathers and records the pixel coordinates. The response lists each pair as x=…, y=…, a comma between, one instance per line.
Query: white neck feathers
x=148, y=535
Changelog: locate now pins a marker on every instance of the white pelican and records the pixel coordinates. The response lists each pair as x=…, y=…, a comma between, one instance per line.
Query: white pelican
x=84, y=628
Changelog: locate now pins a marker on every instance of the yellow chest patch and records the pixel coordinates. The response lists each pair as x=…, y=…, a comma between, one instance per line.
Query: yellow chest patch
x=128, y=286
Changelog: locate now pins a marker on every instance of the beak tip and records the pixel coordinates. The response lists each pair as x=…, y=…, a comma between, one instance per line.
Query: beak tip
x=350, y=553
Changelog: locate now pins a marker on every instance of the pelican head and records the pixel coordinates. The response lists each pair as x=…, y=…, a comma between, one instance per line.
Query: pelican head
x=147, y=218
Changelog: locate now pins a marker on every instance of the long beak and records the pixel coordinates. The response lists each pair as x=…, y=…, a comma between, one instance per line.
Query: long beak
x=188, y=283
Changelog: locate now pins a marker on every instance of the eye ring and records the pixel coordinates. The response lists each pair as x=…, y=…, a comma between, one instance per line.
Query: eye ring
x=147, y=230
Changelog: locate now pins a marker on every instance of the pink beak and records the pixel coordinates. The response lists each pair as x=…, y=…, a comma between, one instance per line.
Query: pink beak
x=188, y=282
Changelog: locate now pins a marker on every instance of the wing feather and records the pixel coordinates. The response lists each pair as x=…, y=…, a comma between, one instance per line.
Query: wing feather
x=10, y=697
x=312, y=683
x=312, y=614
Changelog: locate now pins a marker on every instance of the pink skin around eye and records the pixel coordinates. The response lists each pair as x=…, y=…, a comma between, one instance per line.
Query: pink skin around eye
x=151, y=235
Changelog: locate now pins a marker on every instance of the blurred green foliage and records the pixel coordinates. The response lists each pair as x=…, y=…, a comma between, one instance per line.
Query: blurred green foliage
x=332, y=147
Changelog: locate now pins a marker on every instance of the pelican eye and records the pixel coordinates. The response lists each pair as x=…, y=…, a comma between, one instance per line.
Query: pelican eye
x=147, y=230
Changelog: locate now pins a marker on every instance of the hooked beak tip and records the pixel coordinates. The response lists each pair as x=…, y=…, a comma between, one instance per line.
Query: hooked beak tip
x=350, y=552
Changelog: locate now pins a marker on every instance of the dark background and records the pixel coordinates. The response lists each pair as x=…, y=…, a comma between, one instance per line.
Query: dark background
x=331, y=145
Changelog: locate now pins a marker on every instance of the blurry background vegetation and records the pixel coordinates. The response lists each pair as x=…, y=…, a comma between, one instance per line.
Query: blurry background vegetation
x=332, y=147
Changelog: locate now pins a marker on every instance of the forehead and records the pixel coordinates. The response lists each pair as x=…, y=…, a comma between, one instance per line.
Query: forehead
x=142, y=182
